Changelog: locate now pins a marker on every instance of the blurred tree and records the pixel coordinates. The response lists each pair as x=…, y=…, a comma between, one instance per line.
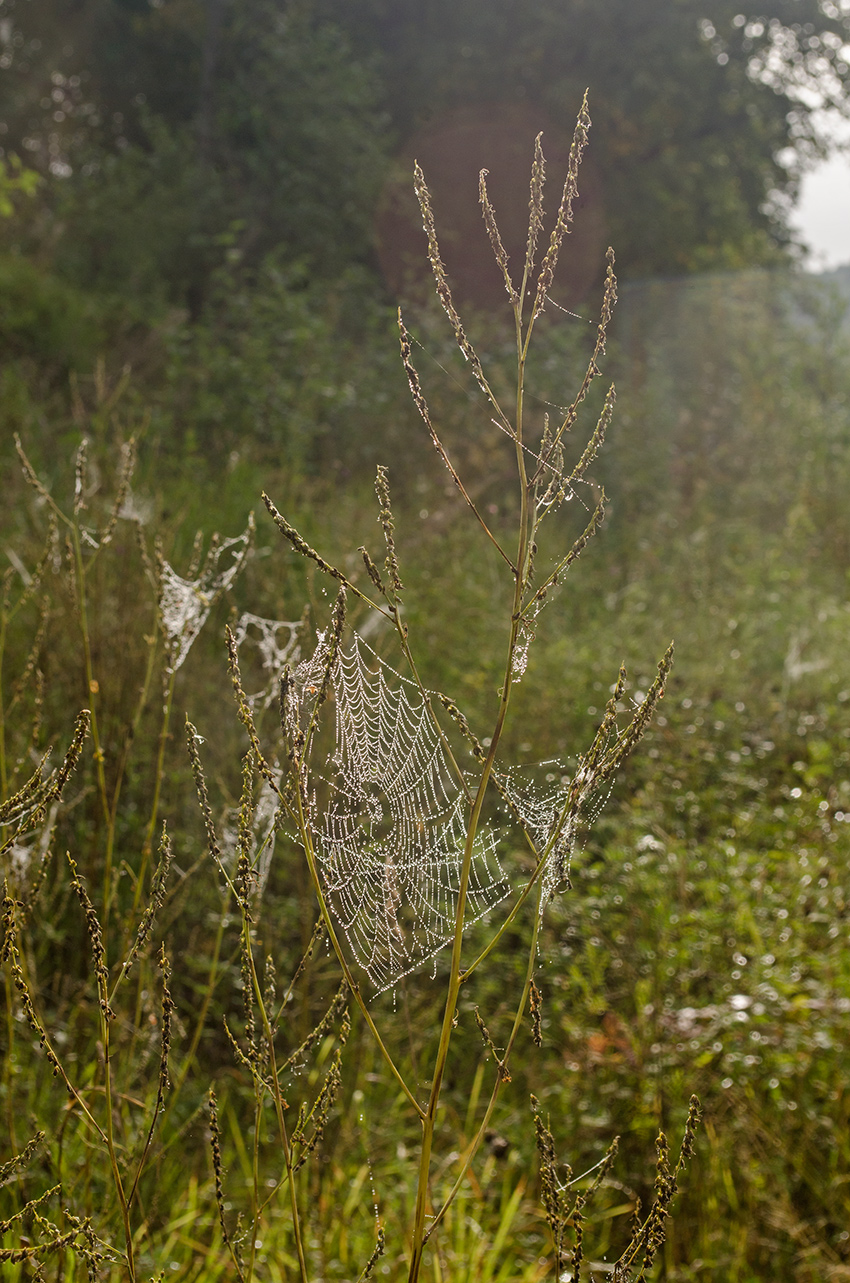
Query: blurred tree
x=704, y=115
x=189, y=135
x=190, y=132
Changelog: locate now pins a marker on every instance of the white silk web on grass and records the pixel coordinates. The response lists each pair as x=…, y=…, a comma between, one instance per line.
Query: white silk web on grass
x=540, y=808
x=264, y=824
x=185, y=604
x=390, y=842
x=276, y=642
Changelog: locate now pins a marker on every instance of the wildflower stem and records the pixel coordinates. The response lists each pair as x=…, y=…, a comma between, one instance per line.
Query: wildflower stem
x=279, y=1104
x=472, y=1147
x=521, y=572
x=147, y=845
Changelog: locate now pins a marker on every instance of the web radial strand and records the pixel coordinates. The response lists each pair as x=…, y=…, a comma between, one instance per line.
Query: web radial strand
x=391, y=840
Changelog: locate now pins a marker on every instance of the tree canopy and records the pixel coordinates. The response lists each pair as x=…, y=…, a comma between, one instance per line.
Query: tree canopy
x=182, y=134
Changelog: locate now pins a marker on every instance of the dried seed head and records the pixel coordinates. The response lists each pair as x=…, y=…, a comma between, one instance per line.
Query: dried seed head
x=244, y=710
x=31, y=475
x=443, y=292
x=128, y=464
x=565, y=209
x=81, y=476
x=155, y=901
x=369, y=1268
x=536, y=1006
x=218, y=1169
x=95, y=934
x=300, y=545
x=535, y=205
x=382, y=489
x=165, y=1028
x=457, y=716
x=495, y=238
x=193, y=739
x=372, y=570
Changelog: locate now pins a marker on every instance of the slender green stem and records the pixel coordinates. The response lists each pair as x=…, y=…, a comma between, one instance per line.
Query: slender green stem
x=129, y=740
x=472, y=1148
x=208, y=991
x=92, y=690
x=307, y=842
x=278, y=1103
x=255, y=1177
x=113, y=1158
x=3, y=781
x=147, y=845
x=10, y=1060
x=455, y=972
x=533, y=881
x=109, y=1124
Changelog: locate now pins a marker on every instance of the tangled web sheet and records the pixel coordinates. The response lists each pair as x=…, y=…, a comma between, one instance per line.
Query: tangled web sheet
x=390, y=842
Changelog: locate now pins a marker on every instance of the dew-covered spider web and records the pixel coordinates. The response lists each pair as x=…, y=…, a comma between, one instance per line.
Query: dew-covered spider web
x=552, y=811
x=276, y=643
x=264, y=824
x=390, y=842
x=185, y=604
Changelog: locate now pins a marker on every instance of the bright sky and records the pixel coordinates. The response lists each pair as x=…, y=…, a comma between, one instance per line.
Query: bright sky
x=823, y=214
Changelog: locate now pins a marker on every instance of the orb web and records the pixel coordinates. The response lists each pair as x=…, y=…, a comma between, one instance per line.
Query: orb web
x=390, y=842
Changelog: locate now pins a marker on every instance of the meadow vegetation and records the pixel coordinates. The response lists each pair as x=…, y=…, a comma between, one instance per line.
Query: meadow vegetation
x=170, y=1000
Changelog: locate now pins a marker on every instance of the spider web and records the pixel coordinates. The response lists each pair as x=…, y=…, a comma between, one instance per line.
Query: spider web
x=276, y=642
x=390, y=843
x=540, y=807
x=185, y=604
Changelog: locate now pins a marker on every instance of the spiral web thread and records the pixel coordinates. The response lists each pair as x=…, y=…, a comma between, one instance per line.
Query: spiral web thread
x=390, y=843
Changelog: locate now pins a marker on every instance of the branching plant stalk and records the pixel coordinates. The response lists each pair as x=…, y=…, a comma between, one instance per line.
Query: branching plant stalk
x=455, y=971
x=109, y=1125
x=549, y=829
x=201, y=1019
x=472, y=1148
x=3, y=781
x=147, y=845
x=130, y=737
x=92, y=691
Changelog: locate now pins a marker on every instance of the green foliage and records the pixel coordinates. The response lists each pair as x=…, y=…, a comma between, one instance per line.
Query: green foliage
x=727, y=527
x=15, y=181
x=148, y=223
x=275, y=366
x=227, y=139
x=178, y=137
x=765, y=1198
x=690, y=123
x=44, y=321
